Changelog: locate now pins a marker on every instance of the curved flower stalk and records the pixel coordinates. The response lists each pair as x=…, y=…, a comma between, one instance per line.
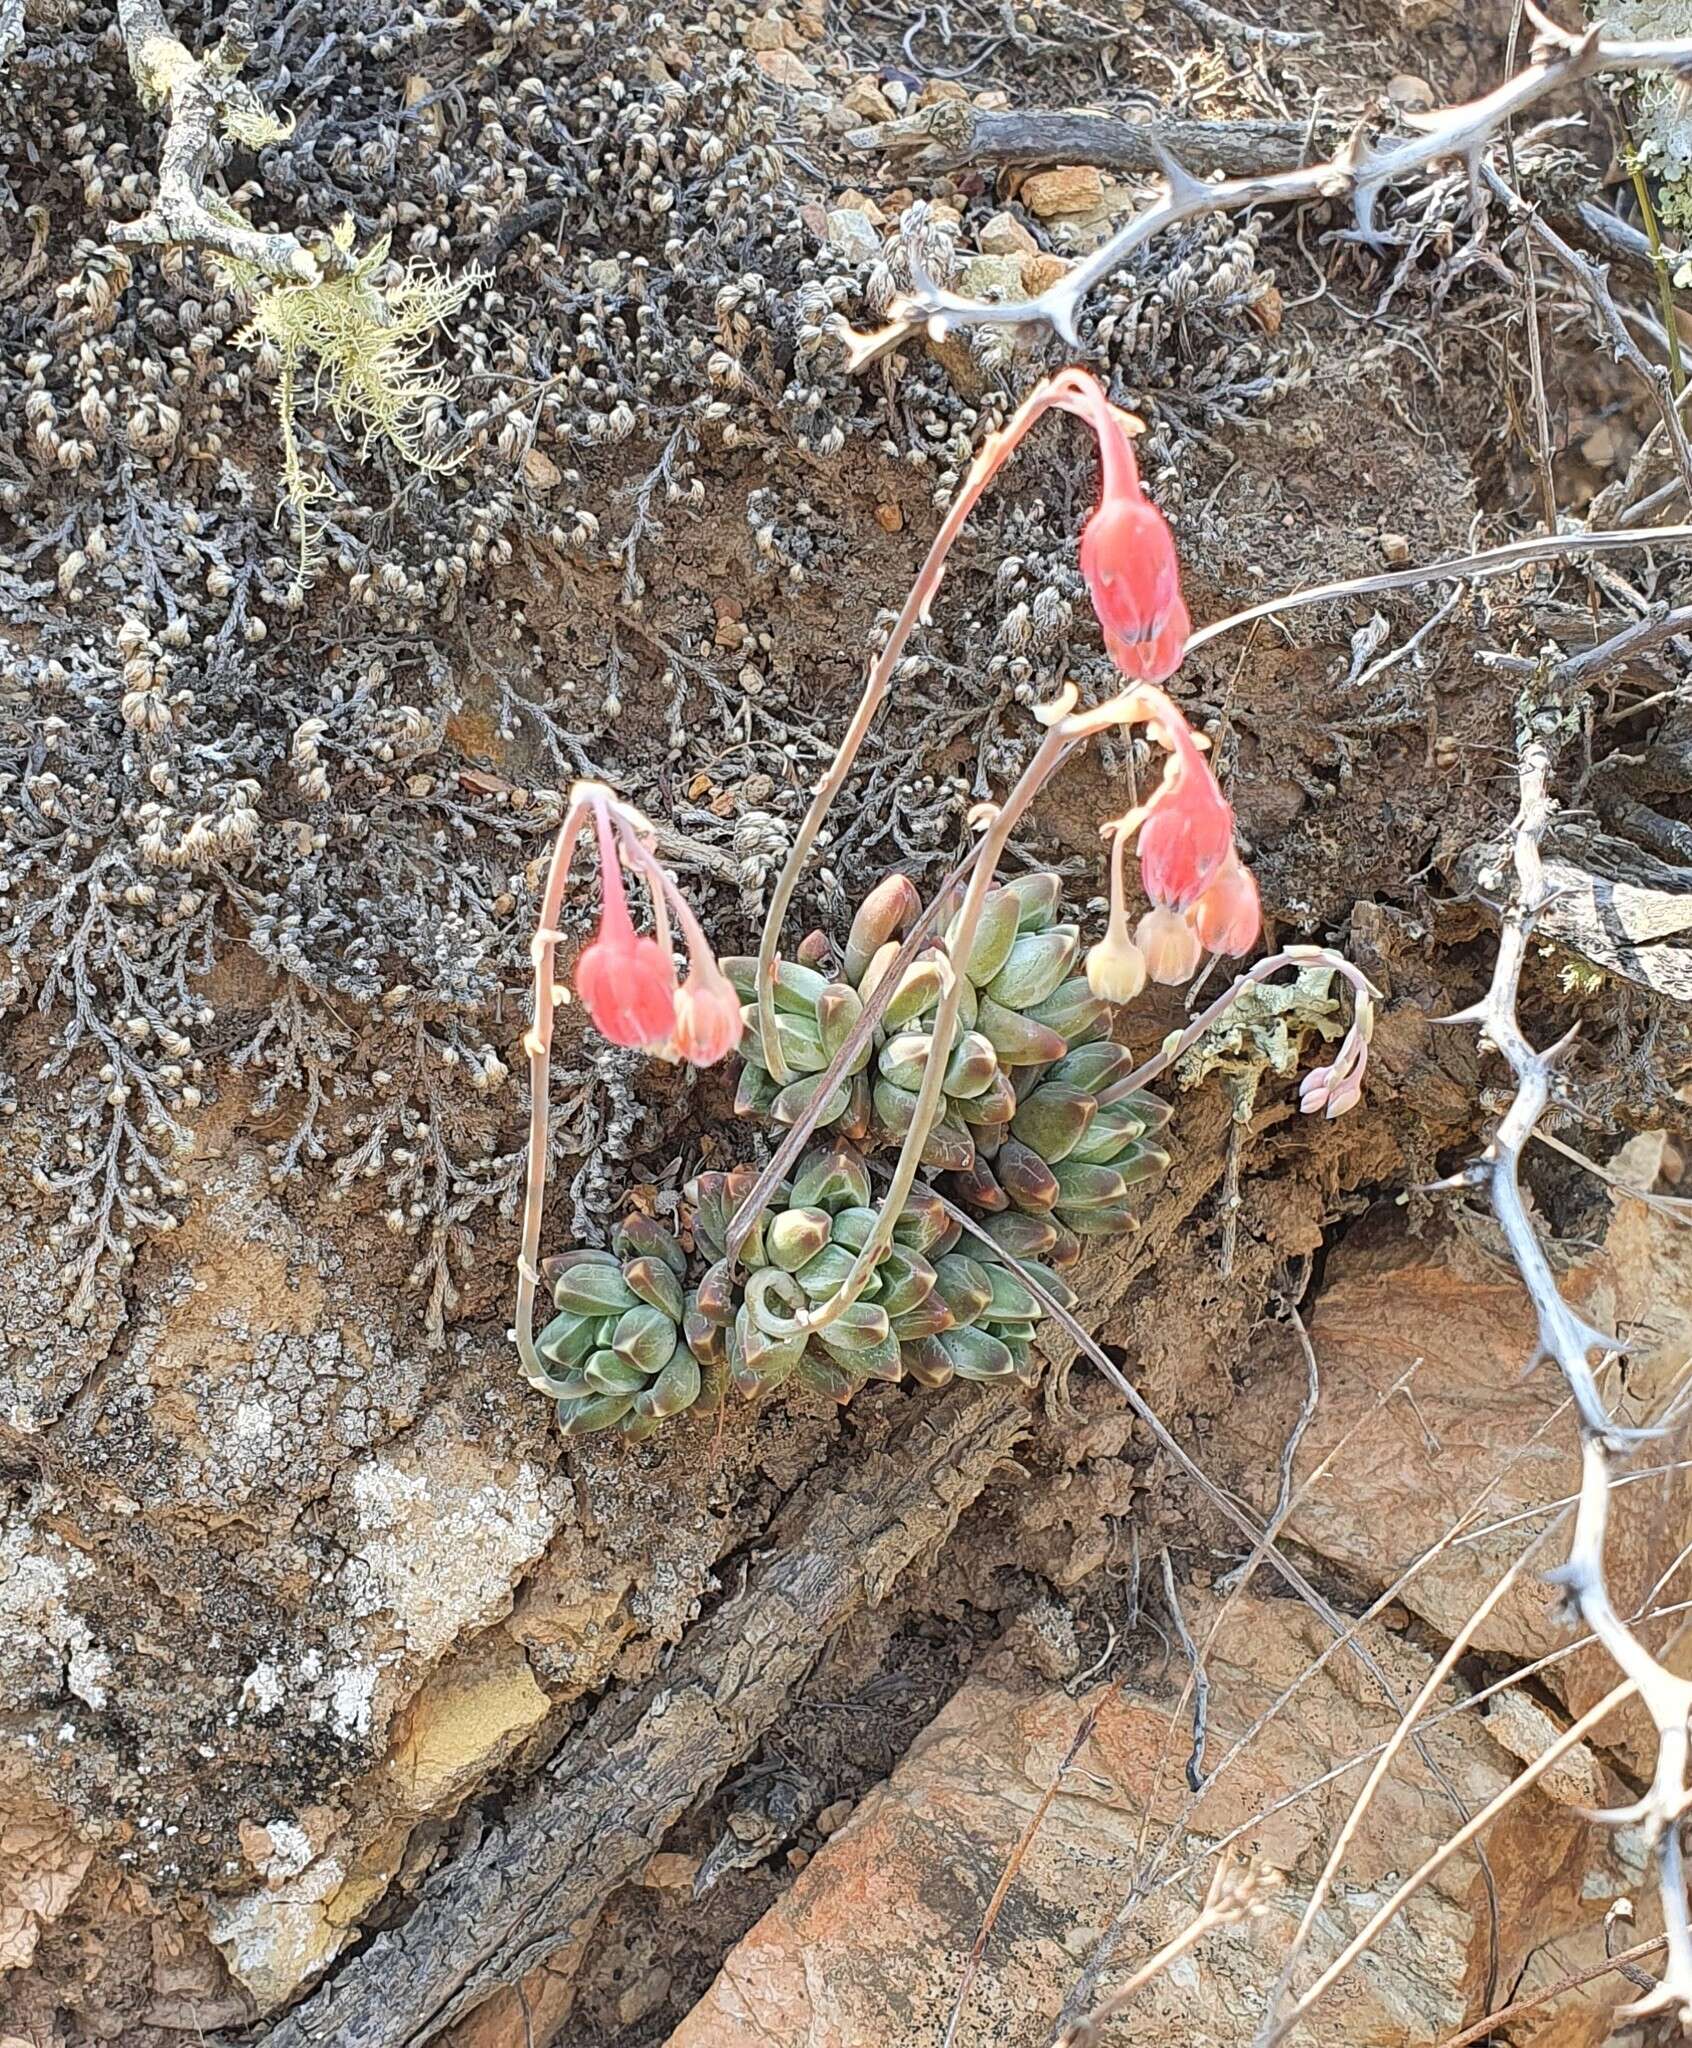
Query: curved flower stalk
x=1142, y=704
x=1139, y=607
x=1185, y=829
x=627, y=984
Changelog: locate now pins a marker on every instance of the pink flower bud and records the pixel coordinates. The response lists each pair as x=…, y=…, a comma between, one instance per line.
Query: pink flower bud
x=628, y=984
x=1116, y=969
x=1170, y=945
x=1189, y=829
x=708, y=1018
x=1228, y=917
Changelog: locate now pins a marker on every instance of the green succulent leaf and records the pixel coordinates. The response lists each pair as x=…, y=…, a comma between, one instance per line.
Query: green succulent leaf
x=1053, y=1119
x=795, y=1236
x=1037, y=899
x=567, y=1339
x=995, y=934
x=599, y=1411
x=832, y=1177
x=645, y=1339
x=675, y=1388
x=609, y=1374
x=918, y=992
x=1019, y=1041
x=642, y=1236
x=977, y=1355
x=594, y=1291
x=657, y=1284
x=1037, y=964
x=973, y=1066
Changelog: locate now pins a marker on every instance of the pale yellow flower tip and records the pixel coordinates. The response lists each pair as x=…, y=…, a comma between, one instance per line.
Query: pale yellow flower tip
x=1116, y=970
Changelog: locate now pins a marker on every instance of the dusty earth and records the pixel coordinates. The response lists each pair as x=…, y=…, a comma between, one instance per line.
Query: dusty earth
x=305, y=1604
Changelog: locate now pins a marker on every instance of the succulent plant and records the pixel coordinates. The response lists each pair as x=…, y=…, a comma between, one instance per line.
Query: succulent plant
x=616, y=1352
x=1023, y=1139
x=1065, y=1157
x=930, y=1309
x=1021, y=1007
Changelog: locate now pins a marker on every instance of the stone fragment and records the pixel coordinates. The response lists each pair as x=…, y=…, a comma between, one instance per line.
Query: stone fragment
x=867, y=100
x=851, y=233
x=1071, y=188
x=1005, y=235
x=781, y=67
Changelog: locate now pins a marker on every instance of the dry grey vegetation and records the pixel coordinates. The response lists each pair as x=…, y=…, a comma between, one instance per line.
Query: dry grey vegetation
x=407, y=412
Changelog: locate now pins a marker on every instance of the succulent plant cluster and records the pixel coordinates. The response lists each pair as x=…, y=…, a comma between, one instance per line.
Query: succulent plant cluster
x=1025, y=1141
x=1022, y=1128
x=932, y=1309
x=632, y=1343
x=616, y=1350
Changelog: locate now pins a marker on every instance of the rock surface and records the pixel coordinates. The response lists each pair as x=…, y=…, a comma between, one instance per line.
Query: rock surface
x=867, y=1946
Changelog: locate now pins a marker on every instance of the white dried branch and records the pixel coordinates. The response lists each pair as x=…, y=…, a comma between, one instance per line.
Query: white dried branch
x=205, y=100
x=1569, y=1340
x=1359, y=173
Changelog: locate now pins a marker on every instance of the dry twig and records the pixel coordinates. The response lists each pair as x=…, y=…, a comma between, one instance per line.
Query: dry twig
x=1569, y=1340
x=1358, y=172
x=206, y=100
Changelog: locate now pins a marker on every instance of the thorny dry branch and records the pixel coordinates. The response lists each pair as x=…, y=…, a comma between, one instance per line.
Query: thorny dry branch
x=1569, y=1340
x=1360, y=171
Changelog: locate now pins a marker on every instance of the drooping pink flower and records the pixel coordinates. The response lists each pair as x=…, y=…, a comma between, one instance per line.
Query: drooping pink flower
x=708, y=1017
x=1128, y=560
x=1228, y=916
x=626, y=980
x=1128, y=554
x=1189, y=829
x=1170, y=945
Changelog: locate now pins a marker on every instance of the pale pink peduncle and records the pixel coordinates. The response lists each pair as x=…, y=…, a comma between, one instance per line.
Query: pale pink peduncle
x=614, y=921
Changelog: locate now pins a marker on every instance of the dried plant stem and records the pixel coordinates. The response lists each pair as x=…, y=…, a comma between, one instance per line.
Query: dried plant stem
x=1594, y=282
x=1659, y=263
x=1240, y=1517
x=1490, y=2025
x=1541, y=547
x=1242, y=1742
x=1471, y=1828
x=205, y=99
x=1455, y=1650
x=1360, y=172
x=1235, y=1894
x=1013, y=1863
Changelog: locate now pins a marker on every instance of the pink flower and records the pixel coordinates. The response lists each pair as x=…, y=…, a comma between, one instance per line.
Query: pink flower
x=1228, y=916
x=1189, y=829
x=1170, y=945
x=708, y=1018
x=1128, y=554
x=1128, y=560
x=627, y=981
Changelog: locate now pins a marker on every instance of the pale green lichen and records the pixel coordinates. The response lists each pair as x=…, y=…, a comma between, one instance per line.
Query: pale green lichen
x=1265, y=1033
x=361, y=340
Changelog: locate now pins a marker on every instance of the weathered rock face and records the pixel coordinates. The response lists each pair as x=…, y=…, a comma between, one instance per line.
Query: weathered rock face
x=868, y=1946
x=257, y=1618
x=1384, y=1477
